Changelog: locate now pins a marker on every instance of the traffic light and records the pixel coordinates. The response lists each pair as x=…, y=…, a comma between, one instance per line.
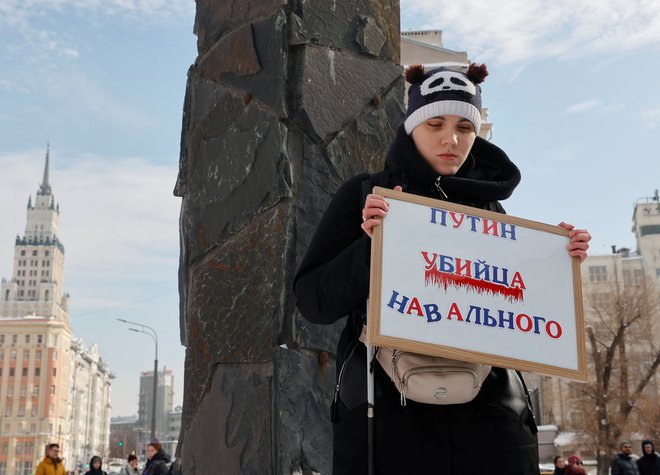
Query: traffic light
x=120, y=443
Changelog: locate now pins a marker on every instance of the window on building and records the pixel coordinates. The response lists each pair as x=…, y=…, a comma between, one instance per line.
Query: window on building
x=14, y=339
x=18, y=447
x=33, y=428
x=52, y=390
x=23, y=390
x=40, y=339
x=37, y=355
x=33, y=413
x=8, y=409
x=35, y=390
x=21, y=410
x=54, y=372
x=12, y=372
x=597, y=273
x=37, y=371
x=0, y=371
x=24, y=372
x=13, y=354
x=51, y=409
x=7, y=295
x=46, y=253
x=54, y=344
x=27, y=339
x=26, y=355
x=34, y=253
x=2, y=354
x=2, y=339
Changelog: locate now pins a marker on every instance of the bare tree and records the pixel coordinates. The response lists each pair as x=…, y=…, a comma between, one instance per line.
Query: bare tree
x=623, y=359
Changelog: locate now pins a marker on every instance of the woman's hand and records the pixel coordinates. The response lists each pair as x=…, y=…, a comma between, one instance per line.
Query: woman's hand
x=579, y=241
x=375, y=209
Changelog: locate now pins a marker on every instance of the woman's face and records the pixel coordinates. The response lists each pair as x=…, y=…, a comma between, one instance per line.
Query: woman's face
x=151, y=451
x=444, y=142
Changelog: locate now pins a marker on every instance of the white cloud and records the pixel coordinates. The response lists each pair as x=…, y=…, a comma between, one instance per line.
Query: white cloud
x=511, y=31
x=582, y=106
x=652, y=117
x=121, y=206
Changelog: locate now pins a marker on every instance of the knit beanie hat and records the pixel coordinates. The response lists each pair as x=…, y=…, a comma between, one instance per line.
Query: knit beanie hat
x=444, y=91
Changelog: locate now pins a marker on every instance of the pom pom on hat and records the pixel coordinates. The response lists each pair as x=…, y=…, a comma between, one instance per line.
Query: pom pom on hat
x=414, y=74
x=444, y=91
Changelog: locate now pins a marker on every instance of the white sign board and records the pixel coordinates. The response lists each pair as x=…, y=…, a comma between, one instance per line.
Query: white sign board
x=473, y=285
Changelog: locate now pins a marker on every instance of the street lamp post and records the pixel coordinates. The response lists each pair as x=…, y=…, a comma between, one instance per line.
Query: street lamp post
x=154, y=336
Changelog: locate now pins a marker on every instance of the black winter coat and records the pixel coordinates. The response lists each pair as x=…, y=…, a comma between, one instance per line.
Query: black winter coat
x=649, y=464
x=333, y=281
x=157, y=465
x=624, y=465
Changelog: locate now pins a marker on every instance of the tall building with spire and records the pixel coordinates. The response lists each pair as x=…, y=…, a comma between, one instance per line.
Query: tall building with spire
x=40, y=362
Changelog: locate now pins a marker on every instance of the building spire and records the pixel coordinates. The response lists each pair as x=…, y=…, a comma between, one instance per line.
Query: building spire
x=44, y=187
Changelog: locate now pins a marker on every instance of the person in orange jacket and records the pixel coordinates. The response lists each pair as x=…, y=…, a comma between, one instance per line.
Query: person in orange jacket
x=52, y=463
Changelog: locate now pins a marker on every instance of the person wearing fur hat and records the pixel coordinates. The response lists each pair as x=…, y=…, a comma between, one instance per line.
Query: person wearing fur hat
x=436, y=153
x=574, y=465
x=649, y=462
x=623, y=463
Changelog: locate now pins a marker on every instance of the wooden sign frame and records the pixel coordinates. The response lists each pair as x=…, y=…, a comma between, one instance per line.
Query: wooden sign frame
x=473, y=285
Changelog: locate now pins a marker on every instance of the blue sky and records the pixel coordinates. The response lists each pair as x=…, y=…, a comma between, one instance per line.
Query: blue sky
x=572, y=94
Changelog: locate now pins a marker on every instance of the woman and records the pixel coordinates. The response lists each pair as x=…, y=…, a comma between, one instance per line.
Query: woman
x=437, y=153
x=157, y=460
x=95, y=466
x=560, y=466
x=131, y=467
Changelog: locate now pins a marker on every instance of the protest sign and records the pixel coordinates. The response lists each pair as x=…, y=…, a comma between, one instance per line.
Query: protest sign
x=473, y=285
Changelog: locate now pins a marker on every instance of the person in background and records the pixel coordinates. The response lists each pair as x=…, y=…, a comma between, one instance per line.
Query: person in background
x=131, y=466
x=574, y=466
x=623, y=463
x=51, y=463
x=95, y=466
x=157, y=460
x=649, y=462
x=560, y=467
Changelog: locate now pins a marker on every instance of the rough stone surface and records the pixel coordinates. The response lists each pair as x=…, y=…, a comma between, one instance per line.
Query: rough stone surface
x=235, y=53
x=285, y=101
x=234, y=299
x=336, y=86
x=268, y=46
x=237, y=173
x=232, y=430
x=362, y=144
x=369, y=37
x=335, y=23
x=216, y=17
x=304, y=420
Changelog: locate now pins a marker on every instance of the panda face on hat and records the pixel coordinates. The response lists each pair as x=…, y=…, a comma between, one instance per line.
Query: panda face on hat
x=444, y=81
x=444, y=91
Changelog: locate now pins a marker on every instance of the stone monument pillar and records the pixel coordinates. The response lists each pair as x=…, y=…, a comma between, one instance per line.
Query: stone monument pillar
x=285, y=101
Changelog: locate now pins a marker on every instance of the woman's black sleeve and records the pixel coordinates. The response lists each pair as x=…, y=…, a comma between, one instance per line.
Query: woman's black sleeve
x=333, y=277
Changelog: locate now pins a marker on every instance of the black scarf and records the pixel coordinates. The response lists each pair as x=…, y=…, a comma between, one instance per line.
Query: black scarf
x=487, y=174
